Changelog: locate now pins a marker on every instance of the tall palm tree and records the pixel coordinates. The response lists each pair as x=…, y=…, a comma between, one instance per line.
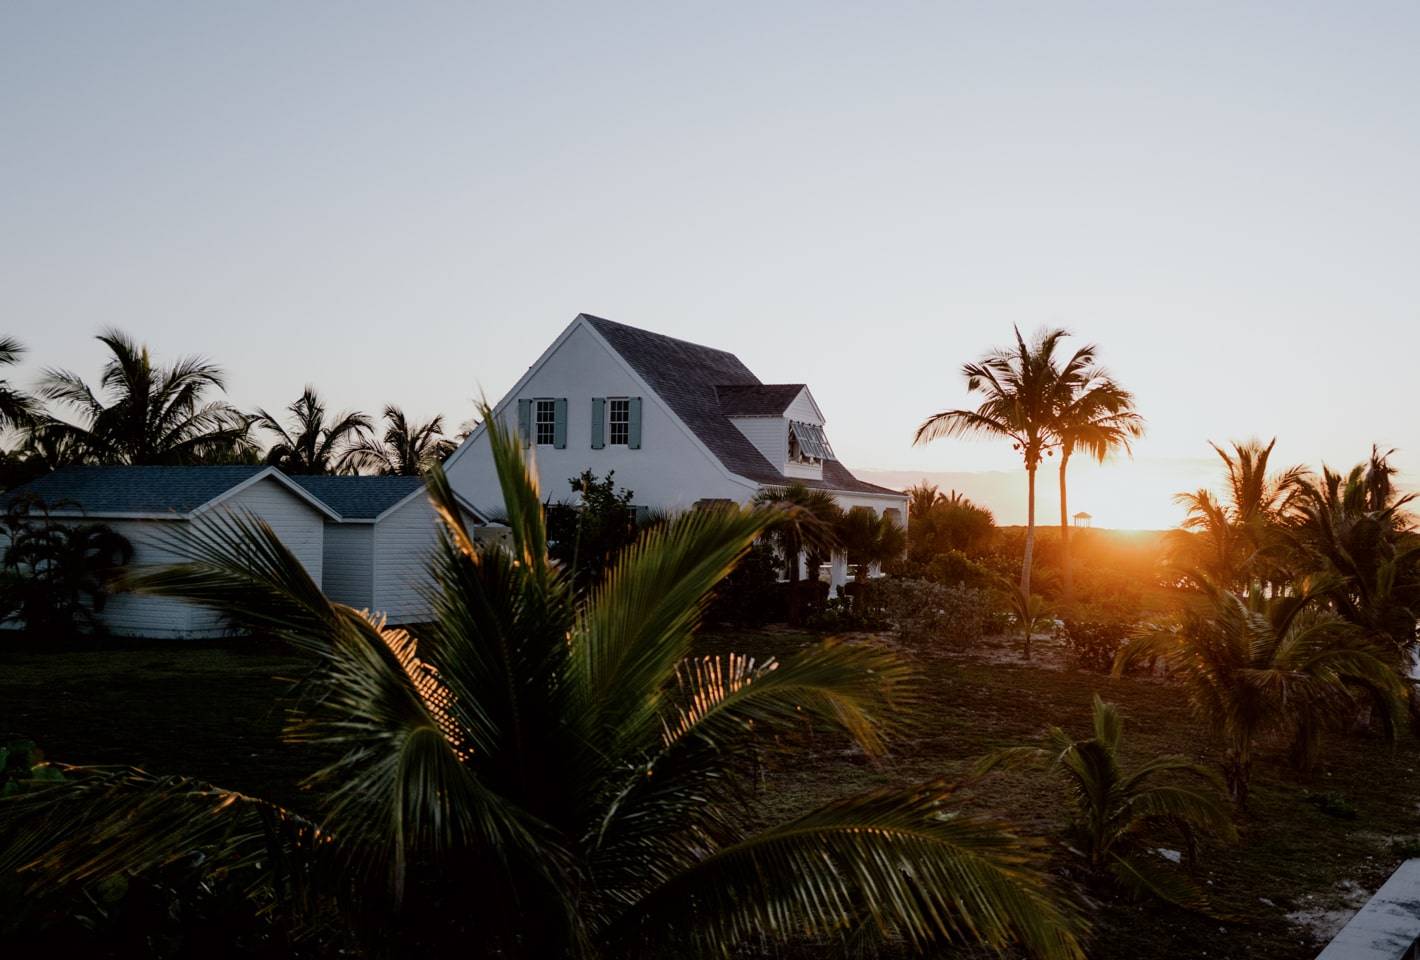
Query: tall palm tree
x=151, y=414
x=542, y=773
x=1096, y=416
x=1020, y=386
x=1280, y=663
x=17, y=408
x=406, y=449
x=1238, y=538
x=1119, y=812
x=312, y=444
x=804, y=520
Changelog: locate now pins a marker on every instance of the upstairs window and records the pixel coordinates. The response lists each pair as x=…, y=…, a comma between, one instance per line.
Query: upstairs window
x=618, y=421
x=545, y=422
x=808, y=444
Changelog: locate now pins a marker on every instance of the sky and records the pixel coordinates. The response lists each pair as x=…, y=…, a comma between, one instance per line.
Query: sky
x=406, y=202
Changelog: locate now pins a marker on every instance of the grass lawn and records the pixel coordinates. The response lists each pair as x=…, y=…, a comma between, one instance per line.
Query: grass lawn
x=213, y=711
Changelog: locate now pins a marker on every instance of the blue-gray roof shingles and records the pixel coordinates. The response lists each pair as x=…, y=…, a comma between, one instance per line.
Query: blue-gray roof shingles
x=692, y=380
x=128, y=491
x=360, y=498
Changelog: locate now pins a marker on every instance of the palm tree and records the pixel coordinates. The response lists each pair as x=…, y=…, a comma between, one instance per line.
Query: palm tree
x=869, y=538
x=406, y=450
x=1119, y=811
x=804, y=519
x=57, y=574
x=538, y=773
x=313, y=445
x=151, y=414
x=1020, y=387
x=1237, y=538
x=1094, y=414
x=17, y=408
x=1269, y=663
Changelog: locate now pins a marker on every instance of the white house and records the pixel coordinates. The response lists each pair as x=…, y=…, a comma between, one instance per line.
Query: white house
x=378, y=544
x=678, y=422
x=148, y=505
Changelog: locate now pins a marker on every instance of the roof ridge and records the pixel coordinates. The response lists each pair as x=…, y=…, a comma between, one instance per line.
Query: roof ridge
x=652, y=333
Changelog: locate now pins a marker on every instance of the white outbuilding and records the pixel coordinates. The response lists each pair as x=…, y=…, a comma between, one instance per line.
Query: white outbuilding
x=152, y=505
x=378, y=542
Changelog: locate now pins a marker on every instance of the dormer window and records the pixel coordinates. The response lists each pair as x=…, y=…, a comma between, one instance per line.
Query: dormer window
x=807, y=443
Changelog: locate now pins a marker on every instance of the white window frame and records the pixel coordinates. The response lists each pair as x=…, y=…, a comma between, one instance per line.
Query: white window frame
x=615, y=437
x=543, y=406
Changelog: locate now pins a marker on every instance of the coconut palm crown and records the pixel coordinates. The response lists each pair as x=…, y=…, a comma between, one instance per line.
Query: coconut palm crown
x=311, y=443
x=405, y=450
x=538, y=773
x=151, y=415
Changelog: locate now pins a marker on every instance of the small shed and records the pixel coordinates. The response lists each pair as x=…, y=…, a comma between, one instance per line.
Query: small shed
x=379, y=542
x=148, y=505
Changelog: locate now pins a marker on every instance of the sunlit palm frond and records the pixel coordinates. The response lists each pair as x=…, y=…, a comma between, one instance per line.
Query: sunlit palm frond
x=904, y=861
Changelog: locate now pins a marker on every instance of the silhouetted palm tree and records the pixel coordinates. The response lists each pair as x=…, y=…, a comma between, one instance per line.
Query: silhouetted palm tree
x=1259, y=663
x=17, y=408
x=1238, y=538
x=1020, y=386
x=805, y=520
x=1118, y=812
x=405, y=450
x=153, y=414
x=1096, y=416
x=868, y=538
x=313, y=445
x=542, y=773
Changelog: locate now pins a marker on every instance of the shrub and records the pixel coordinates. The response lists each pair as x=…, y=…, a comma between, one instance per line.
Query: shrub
x=1093, y=644
x=751, y=595
x=922, y=610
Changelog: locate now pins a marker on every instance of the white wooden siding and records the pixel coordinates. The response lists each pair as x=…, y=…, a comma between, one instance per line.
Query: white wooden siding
x=349, y=565
x=300, y=526
x=670, y=472
x=803, y=409
x=770, y=436
x=403, y=545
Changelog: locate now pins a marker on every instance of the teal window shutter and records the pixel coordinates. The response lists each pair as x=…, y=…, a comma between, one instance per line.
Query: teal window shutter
x=633, y=433
x=525, y=420
x=598, y=422
x=559, y=424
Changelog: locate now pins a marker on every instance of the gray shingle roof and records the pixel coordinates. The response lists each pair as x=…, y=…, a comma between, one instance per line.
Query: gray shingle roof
x=757, y=400
x=360, y=498
x=689, y=378
x=106, y=491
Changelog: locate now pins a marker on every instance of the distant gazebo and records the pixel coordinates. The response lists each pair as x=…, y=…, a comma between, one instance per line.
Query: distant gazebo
x=1083, y=519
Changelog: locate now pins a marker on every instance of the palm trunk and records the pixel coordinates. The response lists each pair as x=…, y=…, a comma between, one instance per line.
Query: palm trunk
x=1067, y=572
x=1030, y=532
x=793, y=559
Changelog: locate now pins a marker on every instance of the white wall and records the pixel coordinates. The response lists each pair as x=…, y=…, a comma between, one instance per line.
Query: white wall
x=403, y=544
x=349, y=564
x=803, y=409
x=670, y=472
x=300, y=526
x=770, y=436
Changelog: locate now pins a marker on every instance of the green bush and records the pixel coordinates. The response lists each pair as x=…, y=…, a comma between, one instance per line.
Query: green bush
x=1093, y=644
x=926, y=611
x=751, y=596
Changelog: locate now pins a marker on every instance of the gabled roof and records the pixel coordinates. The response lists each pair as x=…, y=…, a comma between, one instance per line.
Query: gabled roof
x=688, y=377
x=367, y=499
x=360, y=498
x=158, y=492
x=757, y=400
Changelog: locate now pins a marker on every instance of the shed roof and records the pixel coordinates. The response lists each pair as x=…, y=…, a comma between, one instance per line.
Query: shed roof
x=690, y=377
x=360, y=498
x=757, y=400
x=137, y=490
x=148, y=492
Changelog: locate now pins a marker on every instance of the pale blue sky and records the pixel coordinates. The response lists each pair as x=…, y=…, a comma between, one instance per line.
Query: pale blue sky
x=400, y=202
